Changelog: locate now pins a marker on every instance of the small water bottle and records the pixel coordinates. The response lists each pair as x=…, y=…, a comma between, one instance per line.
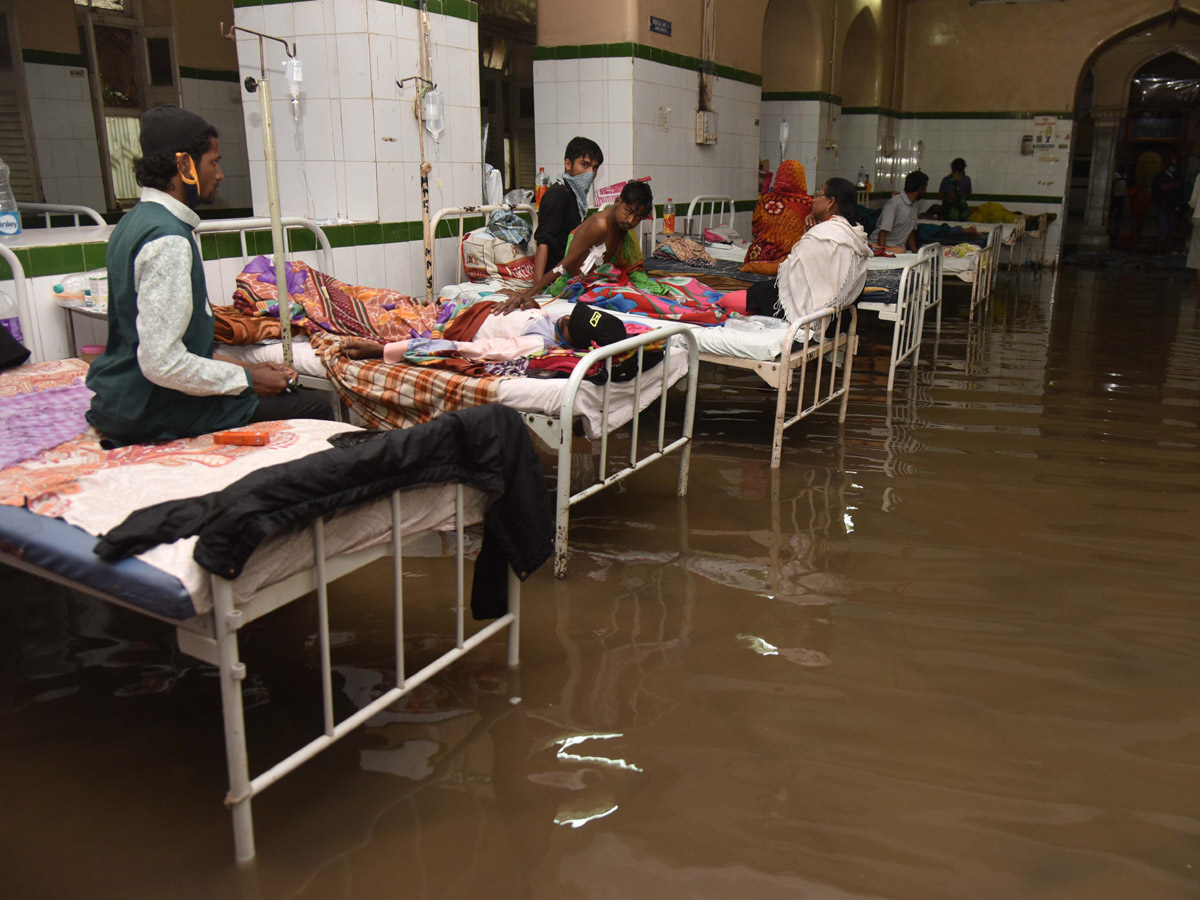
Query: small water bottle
x=72, y=287
x=543, y=184
x=668, y=223
x=10, y=316
x=10, y=218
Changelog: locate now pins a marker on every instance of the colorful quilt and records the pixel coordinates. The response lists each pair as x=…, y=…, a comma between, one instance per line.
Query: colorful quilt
x=387, y=396
x=623, y=286
x=333, y=306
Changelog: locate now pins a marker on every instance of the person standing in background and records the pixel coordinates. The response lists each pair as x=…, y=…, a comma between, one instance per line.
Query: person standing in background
x=1193, y=257
x=955, y=192
x=1116, y=206
x=1166, y=196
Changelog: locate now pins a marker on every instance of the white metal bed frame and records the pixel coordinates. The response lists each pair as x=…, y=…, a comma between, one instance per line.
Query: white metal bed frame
x=324, y=252
x=557, y=431
x=913, y=300
x=20, y=288
x=213, y=638
x=780, y=374
x=46, y=210
x=717, y=205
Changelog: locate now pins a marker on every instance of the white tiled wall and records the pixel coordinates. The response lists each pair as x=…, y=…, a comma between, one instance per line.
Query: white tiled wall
x=355, y=155
x=220, y=104
x=64, y=134
x=642, y=114
x=992, y=150
x=805, y=119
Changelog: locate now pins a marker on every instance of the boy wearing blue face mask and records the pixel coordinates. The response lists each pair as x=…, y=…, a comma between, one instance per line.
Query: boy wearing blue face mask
x=563, y=207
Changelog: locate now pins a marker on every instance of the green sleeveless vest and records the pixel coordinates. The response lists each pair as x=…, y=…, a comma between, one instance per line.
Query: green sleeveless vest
x=129, y=408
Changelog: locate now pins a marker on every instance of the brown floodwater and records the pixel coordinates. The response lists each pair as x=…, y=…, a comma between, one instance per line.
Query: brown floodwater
x=950, y=650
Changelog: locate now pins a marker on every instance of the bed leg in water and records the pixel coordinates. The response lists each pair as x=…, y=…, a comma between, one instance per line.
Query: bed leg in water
x=227, y=622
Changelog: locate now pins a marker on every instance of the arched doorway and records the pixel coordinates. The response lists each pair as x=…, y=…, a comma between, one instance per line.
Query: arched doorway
x=1136, y=105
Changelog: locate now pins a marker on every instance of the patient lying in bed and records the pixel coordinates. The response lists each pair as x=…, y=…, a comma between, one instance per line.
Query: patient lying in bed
x=480, y=334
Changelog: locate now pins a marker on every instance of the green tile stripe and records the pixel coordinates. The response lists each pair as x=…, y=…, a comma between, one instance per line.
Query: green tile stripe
x=643, y=51
x=897, y=114
x=208, y=74
x=61, y=260
x=458, y=9
x=51, y=58
x=801, y=95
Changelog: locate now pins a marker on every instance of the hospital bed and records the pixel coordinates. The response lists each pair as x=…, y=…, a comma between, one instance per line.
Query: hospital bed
x=245, y=230
x=915, y=297
x=818, y=346
x=557, y=409
x=54, y=505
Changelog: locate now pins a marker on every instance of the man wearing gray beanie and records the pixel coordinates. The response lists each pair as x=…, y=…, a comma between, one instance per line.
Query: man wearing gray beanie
x=158, y=379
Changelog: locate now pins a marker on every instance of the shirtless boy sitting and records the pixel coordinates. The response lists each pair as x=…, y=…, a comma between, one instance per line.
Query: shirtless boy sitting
x=608, y=227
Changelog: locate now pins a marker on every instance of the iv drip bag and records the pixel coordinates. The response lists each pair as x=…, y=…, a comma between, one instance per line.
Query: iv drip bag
x=433, y=107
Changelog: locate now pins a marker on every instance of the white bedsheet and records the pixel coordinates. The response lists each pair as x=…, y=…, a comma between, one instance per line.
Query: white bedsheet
x=105, y=498
x=304, y=358
x=962, y=267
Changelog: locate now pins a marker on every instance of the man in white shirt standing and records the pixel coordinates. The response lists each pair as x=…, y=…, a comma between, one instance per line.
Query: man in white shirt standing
x=898, y=223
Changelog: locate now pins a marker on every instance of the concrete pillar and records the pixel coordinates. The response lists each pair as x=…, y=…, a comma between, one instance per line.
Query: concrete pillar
x=1095, y=218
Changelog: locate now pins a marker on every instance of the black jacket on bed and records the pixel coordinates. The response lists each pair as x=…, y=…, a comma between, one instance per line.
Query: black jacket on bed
x=486, y=447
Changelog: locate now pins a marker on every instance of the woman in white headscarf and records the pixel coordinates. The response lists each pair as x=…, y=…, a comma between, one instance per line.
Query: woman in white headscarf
x=826, y=267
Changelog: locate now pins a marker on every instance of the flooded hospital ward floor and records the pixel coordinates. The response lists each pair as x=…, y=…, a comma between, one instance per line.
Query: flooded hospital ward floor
x=950, y=650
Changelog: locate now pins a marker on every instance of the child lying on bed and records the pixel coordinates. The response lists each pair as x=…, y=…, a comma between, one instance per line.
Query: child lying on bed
x=479, y=334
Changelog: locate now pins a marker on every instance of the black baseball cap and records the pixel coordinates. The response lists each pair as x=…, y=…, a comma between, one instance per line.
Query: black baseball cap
x=589, y=325
x=170, y=129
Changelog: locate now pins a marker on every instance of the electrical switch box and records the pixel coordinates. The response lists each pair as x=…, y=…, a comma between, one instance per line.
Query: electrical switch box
x=706, y=126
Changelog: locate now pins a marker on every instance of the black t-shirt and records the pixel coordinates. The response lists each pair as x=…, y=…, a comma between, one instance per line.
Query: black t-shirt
x=558, y=216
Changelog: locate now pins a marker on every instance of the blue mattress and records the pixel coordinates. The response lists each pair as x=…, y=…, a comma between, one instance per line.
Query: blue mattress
x=67, y=551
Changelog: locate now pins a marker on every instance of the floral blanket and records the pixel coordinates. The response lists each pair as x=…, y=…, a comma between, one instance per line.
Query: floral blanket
x=322, y=303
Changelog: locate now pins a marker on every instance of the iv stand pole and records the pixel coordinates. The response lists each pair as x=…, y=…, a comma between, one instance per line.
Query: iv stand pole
x=263, y=87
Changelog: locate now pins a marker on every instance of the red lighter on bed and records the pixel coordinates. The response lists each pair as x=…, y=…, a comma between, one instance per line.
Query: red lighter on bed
x=248, y=438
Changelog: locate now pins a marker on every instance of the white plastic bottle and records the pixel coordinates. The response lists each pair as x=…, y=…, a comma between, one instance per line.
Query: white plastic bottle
x=10, y=316
x=10, y=218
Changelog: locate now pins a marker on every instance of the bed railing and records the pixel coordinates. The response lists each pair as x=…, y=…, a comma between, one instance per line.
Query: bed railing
x=243, y=226
x=24, y=313
x=460, y=213
x=46, y=210
x=698, y=218
x=907, y=313
x=557, y=433
x=829, y=339
x=218, y=645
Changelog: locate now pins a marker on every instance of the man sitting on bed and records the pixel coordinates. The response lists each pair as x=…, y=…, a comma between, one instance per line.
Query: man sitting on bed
x=826, y=267
x=158, y=379
x=520, y=333
x=608, y=229
x=897, y=226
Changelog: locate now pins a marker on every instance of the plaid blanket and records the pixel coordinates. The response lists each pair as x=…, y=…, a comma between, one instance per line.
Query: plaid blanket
x=387, y=396
x=322, y=303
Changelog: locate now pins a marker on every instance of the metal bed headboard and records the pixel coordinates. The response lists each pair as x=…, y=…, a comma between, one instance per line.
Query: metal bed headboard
x=717, y=205
x=262, y=223
x=62, y=209
x=461, y=212
x=24, y=313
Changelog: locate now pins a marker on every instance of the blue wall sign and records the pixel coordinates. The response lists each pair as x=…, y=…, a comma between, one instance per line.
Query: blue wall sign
x=660, y=26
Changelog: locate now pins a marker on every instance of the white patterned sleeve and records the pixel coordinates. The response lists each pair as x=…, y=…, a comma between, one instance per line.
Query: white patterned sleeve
x=162, y=277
